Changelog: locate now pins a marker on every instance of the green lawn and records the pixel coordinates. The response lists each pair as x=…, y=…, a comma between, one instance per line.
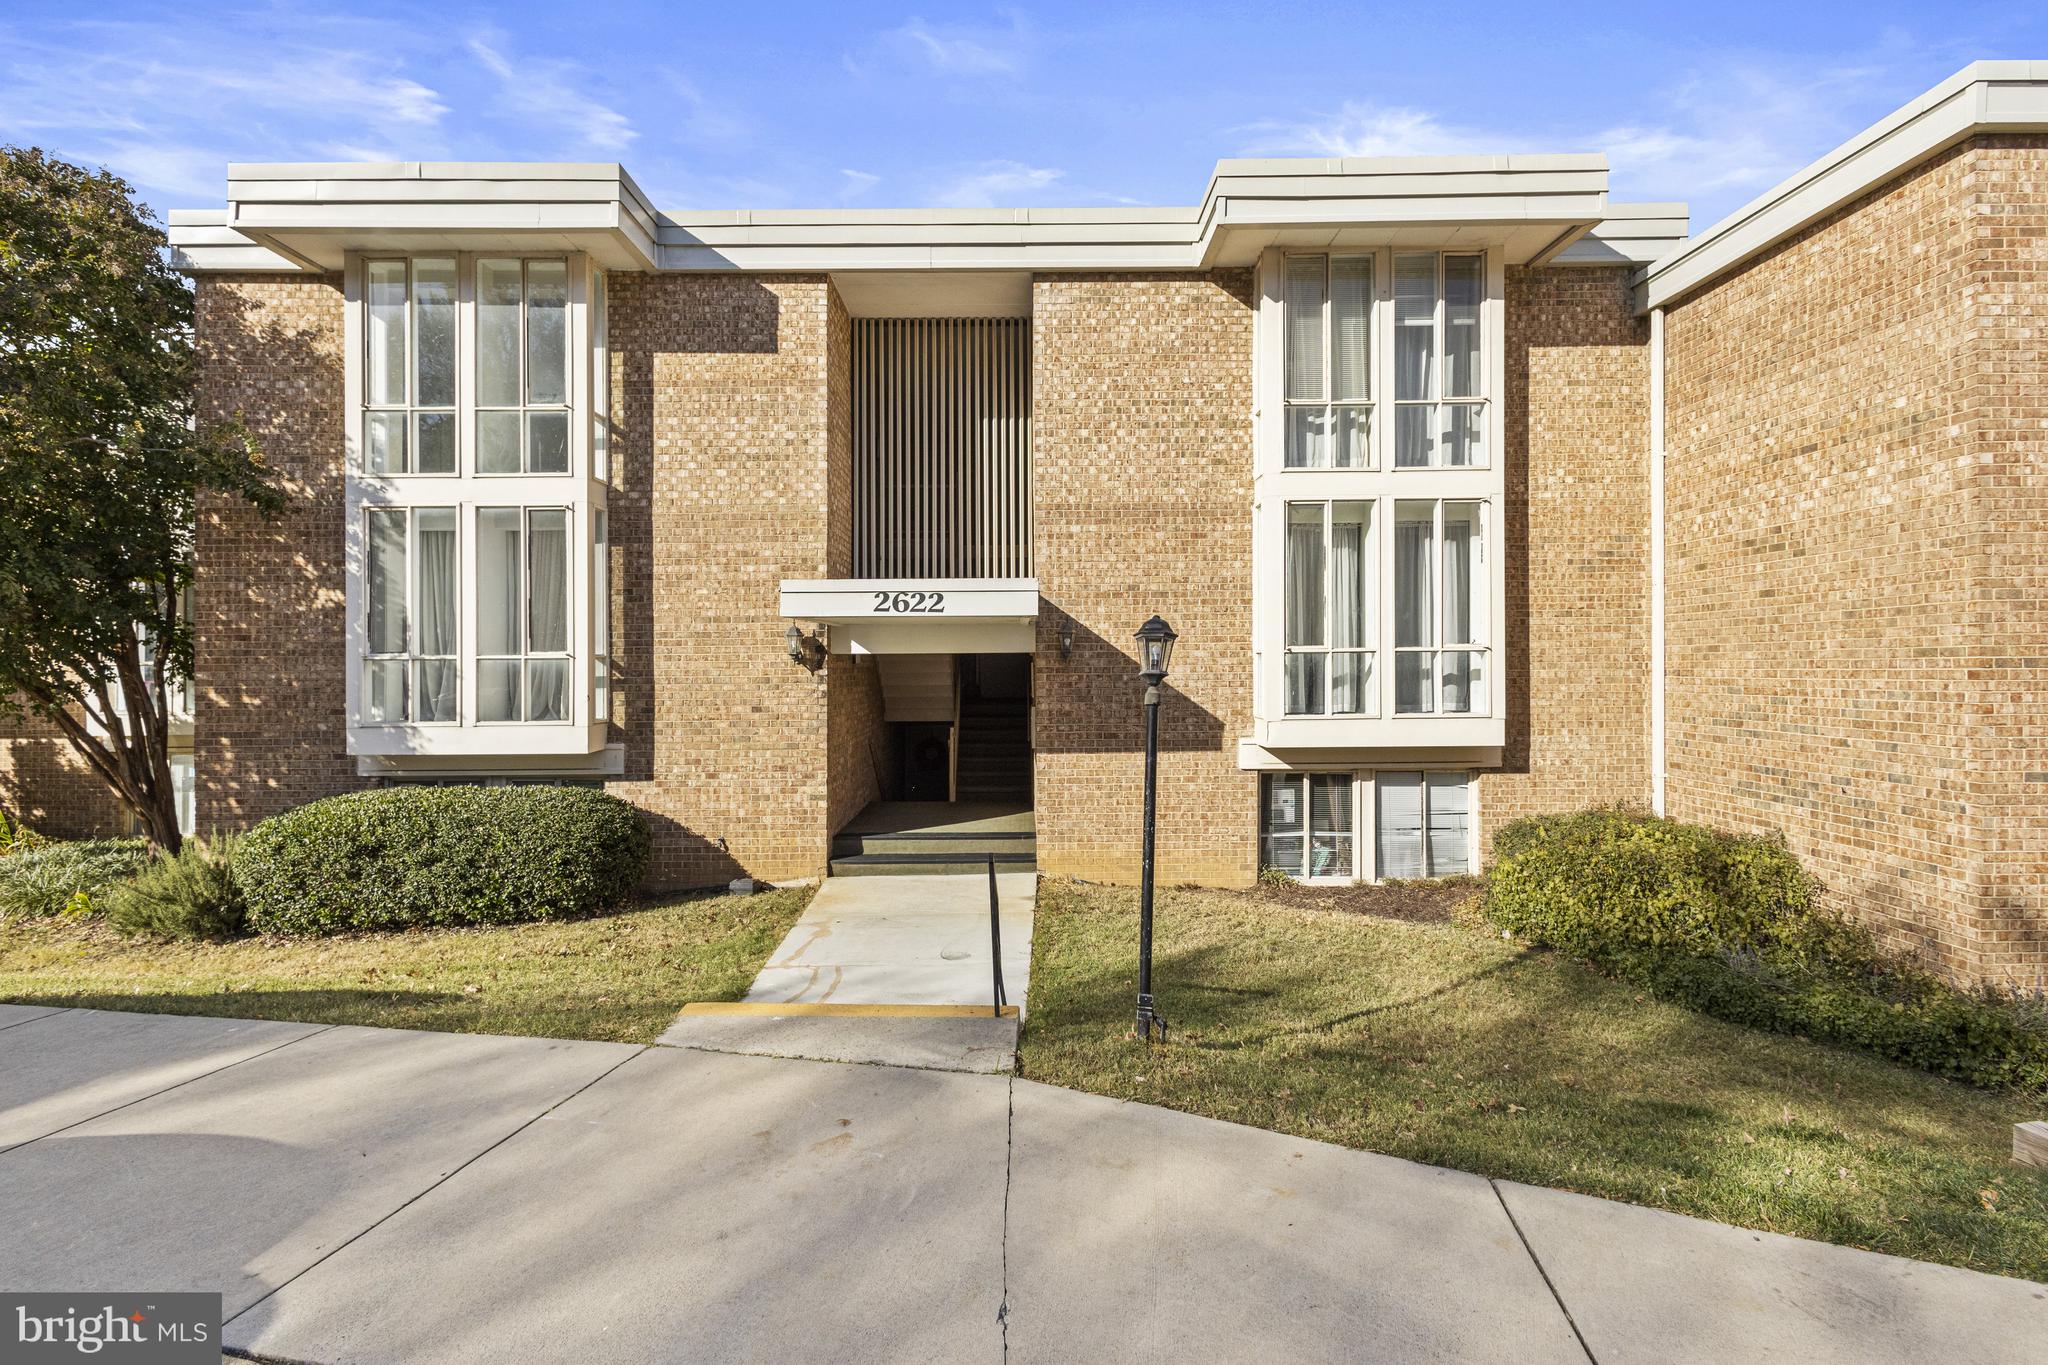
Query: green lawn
x=620, y=977
x=1442, y=1043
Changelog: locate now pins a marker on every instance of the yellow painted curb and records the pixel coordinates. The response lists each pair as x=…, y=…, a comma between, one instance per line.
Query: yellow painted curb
x=759, y=1008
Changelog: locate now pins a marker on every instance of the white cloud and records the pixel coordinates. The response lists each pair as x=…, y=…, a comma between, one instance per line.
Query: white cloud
x=984, y=184
x=1721, y=135
x=952, y=49
x=857, y=183
x=700, y=119
x=541, y=91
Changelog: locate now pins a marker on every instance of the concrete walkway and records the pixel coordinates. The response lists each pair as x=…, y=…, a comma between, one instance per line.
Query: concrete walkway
x=380, y=1195
x=893, y=970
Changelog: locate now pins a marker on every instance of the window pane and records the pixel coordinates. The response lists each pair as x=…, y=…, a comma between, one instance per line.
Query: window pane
x=1348, y=439
x=547, y=689
x=547, y=569
x=1350, y=599
x=1464, y=434
x=434, y=586
x=1400, y=825
x=547, y=332
x=1305, y=573
x=547, y=436
x=1463, y=289
x=384, y=442
x=433, y=293
x=1330, y=825
x=1350, y=332
x=600, y=585
x=1308, y=438
x=497, y=334
x=1464, y=682
x=601, y=690
x=497, y=443
x=1305, y=684
x=436, y=444
x=1414, y=616
x=383, y=691
x=434, y=690
x=386, y=378
x=497, y=689
x=1415, y=326
x=1414, y=676
x=1464, y=575
x=1350, y=682
x=384, y=583
x=1414, y=435
x=1304, y=326
x=600, y=381
x=497, y=582
x=1450, y=824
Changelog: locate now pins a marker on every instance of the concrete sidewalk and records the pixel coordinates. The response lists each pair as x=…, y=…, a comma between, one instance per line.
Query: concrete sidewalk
x=892, y=970
x=382, y=1195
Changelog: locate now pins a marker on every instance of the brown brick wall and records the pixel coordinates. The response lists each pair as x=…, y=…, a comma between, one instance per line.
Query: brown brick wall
x=1575, y=465
x=269, y=619
x=47, y=786
x=1142, y=448
x=1855, y=564
x=722, y=489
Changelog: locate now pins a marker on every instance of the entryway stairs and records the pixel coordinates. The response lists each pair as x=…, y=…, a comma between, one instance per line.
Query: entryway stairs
x=930, y=838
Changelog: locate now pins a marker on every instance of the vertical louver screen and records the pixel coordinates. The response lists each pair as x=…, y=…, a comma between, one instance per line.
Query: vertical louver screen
x=942, y=447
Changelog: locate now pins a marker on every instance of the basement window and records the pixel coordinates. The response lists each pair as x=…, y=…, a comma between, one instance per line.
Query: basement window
x=1312, y=825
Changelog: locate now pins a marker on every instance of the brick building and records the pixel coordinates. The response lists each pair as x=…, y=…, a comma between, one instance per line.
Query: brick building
x=1469, y=492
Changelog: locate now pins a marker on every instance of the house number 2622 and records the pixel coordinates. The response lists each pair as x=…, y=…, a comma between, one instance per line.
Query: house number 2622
x=910, y=603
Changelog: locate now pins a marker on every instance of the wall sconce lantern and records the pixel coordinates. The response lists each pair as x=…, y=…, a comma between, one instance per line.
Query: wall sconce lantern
x=1066, y=638
x=805, y=650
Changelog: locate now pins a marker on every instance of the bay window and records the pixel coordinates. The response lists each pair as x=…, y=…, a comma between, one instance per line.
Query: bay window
x=1441, y=592
x=1329, y=633
x=476, y=598
x=1439, y=374
x=409, y=628
x=1329, y=362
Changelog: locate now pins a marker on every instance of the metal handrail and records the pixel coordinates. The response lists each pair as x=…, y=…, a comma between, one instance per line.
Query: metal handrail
x=995, y=938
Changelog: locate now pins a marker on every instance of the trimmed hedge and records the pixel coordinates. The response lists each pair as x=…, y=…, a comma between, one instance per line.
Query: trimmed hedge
x=1727, y=924
x=406, y=857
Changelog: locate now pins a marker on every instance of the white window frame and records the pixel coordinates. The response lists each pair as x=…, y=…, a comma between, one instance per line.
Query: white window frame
x=1370, y=597
x=523, y=600
x=1329, y=403
x=1444, y=399
x=1438, y=609
x=410, y=657
x=526, y=407
x=1365, y=819
x=361, y=408
x=578, y=489
x=1475, y=734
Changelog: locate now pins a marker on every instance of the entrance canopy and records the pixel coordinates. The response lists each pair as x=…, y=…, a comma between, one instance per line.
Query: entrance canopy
x=919, y=615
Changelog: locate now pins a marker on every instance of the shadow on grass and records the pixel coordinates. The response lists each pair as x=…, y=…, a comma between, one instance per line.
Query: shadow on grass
x=307, y=1006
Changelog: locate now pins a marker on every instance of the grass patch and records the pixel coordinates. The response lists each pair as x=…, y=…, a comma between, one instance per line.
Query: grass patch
x=1442, y=1043
x=616, y=977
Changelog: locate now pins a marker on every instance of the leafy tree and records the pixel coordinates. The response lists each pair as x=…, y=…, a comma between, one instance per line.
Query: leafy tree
x=102, y=463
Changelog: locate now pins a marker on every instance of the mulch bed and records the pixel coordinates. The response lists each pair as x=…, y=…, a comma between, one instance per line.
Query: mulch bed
x=1434, y=902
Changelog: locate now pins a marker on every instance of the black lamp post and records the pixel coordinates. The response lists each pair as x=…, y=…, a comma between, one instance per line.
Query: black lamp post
x=1155, y=648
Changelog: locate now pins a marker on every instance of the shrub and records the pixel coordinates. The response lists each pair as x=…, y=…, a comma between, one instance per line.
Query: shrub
x=70, y=877
x=191, y=895
x=1600, y=883
x=1727, y=924
x=412, y=856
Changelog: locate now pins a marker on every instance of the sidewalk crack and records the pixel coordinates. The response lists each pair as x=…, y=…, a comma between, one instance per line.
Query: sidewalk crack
x=1009, y=1174
x=1537, y=1261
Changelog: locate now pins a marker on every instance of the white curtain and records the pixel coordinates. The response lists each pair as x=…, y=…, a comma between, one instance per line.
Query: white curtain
x=434, y=592
x=1347, y=613
x=547, y=681
x=1306, y=280
x=384, y=578
x=1304, y=607
x=1350, y=334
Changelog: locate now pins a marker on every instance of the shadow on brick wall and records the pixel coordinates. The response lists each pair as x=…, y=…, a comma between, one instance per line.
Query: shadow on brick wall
x=46, y=785
x=1092, y=703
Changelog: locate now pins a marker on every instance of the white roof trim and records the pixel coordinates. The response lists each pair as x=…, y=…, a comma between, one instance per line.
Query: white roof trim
x=1982, y=97
x=289, y=216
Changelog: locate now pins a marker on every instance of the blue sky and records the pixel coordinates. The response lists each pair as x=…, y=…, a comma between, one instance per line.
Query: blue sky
x=876, y=104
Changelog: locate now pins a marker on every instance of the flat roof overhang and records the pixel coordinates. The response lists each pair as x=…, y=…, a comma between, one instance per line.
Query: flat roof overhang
x=918, y=615
x=307, y=217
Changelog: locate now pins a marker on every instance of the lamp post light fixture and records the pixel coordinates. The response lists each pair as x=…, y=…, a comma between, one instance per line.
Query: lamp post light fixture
x=807, y=650
x=1155, y=650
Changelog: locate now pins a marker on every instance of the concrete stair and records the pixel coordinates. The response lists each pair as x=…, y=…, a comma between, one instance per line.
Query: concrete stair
x=917, y=687
x=993, y=762
x=924, y=838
